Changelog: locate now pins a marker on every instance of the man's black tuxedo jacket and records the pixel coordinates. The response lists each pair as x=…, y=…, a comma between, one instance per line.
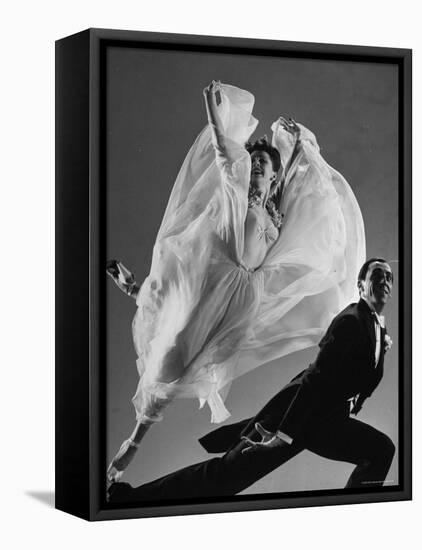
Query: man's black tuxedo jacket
x=344, y=368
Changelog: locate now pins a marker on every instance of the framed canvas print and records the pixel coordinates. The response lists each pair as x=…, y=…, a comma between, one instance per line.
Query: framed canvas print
x=233, y=274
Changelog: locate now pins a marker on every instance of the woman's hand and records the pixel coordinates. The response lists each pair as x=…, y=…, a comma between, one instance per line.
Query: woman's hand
x=123, y=278
x=290, y=126
x=213, y=91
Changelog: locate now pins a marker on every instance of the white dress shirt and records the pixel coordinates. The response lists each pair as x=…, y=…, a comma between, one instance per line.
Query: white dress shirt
x=379, y=323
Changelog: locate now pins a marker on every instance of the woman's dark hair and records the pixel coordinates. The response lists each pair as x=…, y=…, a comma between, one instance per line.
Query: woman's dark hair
x=262, y=144
x=364, y=269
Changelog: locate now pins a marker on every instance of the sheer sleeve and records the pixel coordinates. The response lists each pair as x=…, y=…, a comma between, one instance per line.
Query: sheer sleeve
x=323, y=228
x=201, y=171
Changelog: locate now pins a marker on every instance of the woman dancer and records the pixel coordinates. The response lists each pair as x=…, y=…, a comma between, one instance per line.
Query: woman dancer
x=238, y=276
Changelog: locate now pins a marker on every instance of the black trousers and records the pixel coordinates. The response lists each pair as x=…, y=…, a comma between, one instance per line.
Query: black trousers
x=343, y=438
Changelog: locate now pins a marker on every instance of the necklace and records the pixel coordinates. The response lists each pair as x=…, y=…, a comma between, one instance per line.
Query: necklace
x=254, y=198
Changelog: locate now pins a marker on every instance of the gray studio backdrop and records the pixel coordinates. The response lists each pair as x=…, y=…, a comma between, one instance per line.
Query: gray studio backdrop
x=155, y=111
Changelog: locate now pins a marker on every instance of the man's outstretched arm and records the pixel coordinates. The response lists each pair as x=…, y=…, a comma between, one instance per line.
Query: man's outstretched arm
x=123, y=278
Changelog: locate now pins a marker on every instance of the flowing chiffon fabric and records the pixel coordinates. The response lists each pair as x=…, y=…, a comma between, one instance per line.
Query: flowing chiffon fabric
x=204, y=318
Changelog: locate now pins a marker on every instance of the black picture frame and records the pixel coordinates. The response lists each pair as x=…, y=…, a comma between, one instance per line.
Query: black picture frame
x=80, y=257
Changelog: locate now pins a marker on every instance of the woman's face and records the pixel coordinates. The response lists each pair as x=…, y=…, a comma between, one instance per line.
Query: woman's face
x=262, y=173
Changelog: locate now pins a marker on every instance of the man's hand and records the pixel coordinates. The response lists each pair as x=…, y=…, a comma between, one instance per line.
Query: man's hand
x=269, y=440
x=123, y=278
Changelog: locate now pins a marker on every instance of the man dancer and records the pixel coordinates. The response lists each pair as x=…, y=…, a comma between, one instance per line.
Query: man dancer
x=312, y=412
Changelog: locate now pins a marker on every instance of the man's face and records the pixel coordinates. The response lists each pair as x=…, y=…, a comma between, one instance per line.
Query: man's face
x=262, y=172
x=377, y=286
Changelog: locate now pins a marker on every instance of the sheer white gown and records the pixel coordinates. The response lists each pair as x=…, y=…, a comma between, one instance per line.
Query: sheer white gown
x=205, y=318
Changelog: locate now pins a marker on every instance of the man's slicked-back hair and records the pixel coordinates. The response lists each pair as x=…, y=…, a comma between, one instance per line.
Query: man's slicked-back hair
x=262, y=144
x=364, y=269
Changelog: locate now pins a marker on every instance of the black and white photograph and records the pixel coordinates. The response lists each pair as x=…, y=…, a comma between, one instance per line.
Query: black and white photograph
x=253, y=276
x=210, y=298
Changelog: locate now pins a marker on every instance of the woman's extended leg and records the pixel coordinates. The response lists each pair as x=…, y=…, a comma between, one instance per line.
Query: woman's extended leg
x=128, y=449
x=149, y=407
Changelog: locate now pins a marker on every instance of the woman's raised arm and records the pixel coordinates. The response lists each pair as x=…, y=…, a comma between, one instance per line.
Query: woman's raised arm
x=212, y=96
x=290, y=126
